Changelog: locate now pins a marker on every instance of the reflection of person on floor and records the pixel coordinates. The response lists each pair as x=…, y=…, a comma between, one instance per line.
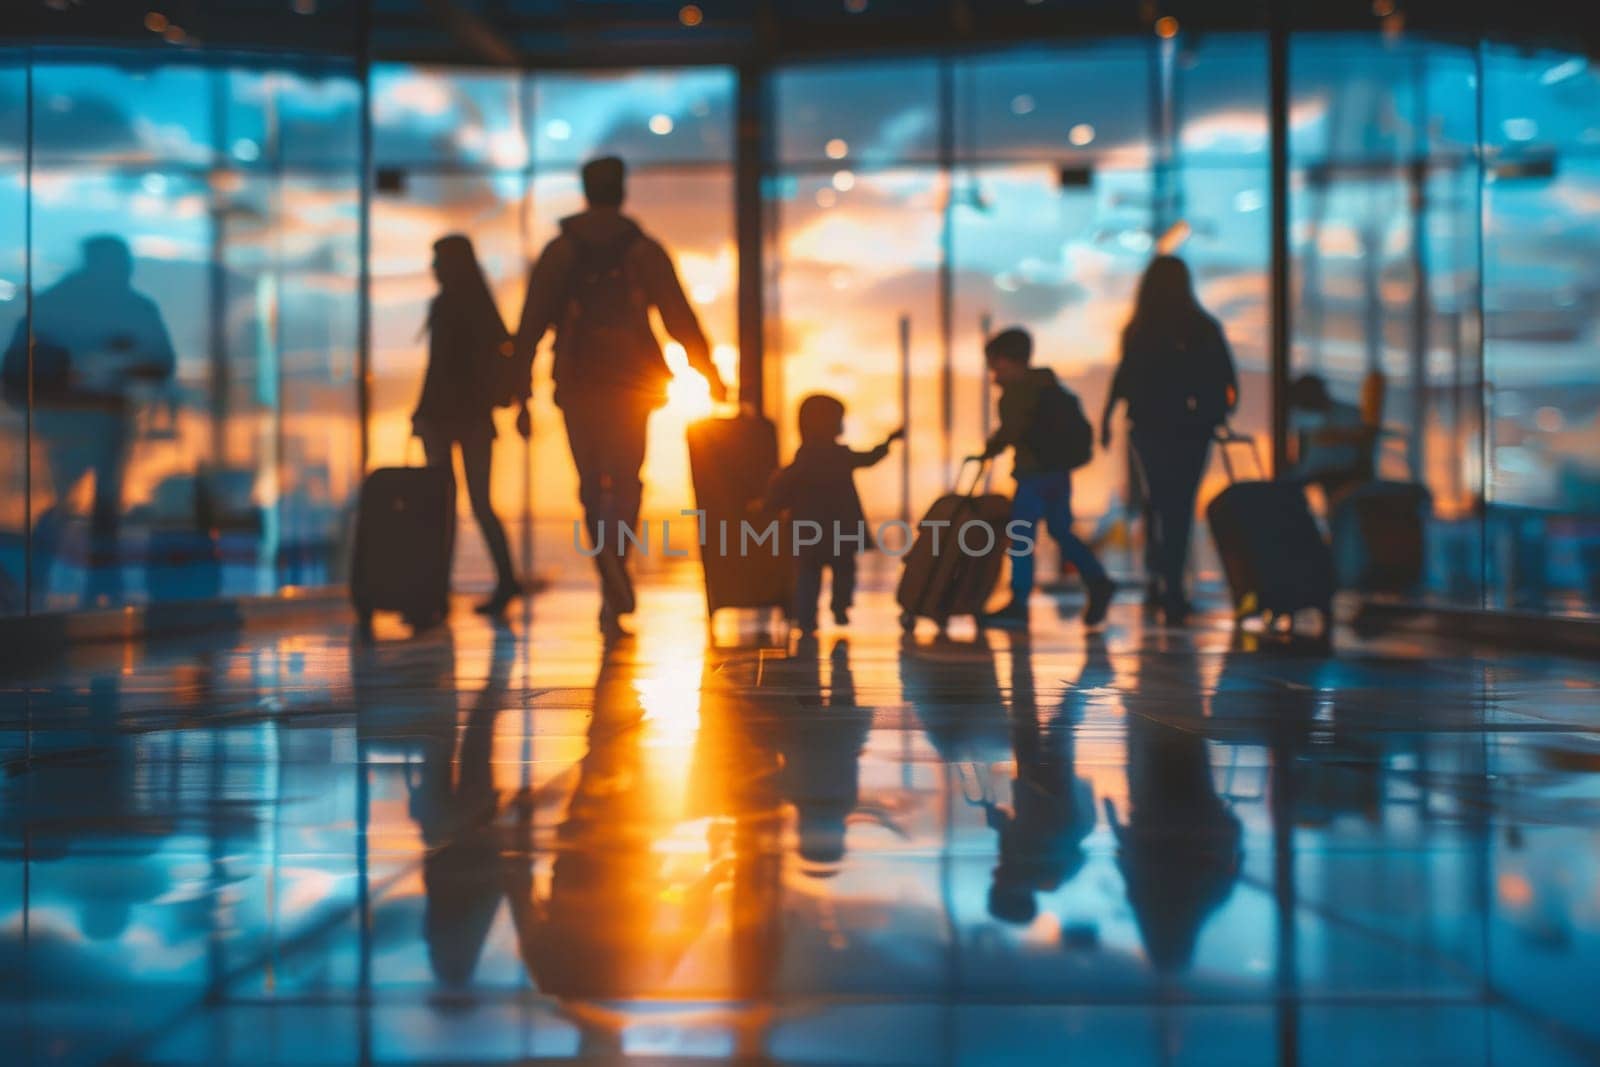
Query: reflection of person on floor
x=821, y=742
x=616, y=921
x=454, y=802
x=468, y=377
x=595, y=285
x=1179, y=851
x=955, y=690
x=1052, y=810
x=818, y=486
x=1176, y=375
x=95, y=338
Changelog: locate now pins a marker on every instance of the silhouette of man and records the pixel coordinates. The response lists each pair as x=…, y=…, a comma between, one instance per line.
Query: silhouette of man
x=595, y=285
x=94, y=337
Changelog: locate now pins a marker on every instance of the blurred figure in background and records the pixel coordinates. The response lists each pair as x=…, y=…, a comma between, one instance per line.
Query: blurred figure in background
x=1333, y=443
x=1176, y=376
x=595, y=285
x=95, y=339
x=468, y=376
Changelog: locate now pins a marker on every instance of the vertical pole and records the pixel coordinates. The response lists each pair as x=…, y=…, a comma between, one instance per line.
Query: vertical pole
x=1421, y=314
x=1485, y=397
x=986, y=327
x=947, y=154
x=217, y=280
x=749, y=158
x=1278, y=48
x=364, y=238
x=525, y=106
x=905, y=419
x=1421, y=295
x=27, y=315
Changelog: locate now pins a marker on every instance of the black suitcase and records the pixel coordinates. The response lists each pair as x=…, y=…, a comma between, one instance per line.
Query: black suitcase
x=950, y=581
x=1272, y=552
x=731, y=462
x=405, y=534
x=1378, y=531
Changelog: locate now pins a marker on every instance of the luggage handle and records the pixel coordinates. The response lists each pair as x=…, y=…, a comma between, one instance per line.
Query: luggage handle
x=977, y=479
x=1225, y=436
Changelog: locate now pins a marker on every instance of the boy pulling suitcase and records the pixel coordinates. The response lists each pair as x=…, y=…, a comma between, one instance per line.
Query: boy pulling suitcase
x=1044, y=426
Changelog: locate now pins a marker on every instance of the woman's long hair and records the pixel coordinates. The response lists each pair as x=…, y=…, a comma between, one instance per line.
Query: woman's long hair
x=464, y=290
x=1166, y=302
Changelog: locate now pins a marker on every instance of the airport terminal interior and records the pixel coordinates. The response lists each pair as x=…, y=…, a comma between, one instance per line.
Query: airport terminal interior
x=241, y=825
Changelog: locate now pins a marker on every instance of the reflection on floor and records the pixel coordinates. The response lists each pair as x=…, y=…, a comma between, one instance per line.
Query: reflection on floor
x=500, y=846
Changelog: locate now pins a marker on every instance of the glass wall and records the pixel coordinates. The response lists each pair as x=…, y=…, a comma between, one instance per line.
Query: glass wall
x=188, y=229
x=1445, y=250
x=1451, y=287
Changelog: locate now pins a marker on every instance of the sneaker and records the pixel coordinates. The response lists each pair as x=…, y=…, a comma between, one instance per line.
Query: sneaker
x=841, y=617
x=1094, y=613
x=1014, y=616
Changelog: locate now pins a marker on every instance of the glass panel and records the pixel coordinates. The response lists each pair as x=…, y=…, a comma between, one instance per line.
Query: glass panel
x=123, y=114
x=1542, y=259
x=1386, y=283
x=200, y=436
x=1055, y=105
x=644, y=116
x=854, y=260
x=437, y=118
x=869, y=115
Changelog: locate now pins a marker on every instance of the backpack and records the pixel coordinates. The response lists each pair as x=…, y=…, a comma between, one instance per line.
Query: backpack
x=603, y=332
x=1188, y=389
x=1060, y=436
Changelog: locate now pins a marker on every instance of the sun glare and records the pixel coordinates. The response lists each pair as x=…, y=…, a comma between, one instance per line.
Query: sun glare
x=688, y=395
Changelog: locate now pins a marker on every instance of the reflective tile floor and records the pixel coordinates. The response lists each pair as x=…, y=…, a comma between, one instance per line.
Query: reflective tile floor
x=1154, y=847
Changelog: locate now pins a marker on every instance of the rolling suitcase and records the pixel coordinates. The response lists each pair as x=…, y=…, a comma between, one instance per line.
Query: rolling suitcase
x=731, y=462
x=949, y=581
x=1378, y=533
x=1273, y=554
x=405, y=533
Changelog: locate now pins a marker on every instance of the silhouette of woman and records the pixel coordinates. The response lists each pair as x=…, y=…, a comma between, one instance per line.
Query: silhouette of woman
x=467, y=344
x=1177, y=377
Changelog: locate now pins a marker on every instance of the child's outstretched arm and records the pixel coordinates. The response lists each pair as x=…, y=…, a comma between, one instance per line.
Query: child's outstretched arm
x=875, y=455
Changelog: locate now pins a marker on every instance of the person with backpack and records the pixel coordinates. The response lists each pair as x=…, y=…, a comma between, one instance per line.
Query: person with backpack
x=466, y=379
x=1176, y=376
x=595, y=284
x=1044, y=426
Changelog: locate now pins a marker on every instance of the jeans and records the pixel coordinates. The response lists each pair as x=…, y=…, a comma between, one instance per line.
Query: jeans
x=1173, y=465
x=477, y=453
x=1048, y=496
x=808, y=584
x=78, y=442
x=607, y=437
